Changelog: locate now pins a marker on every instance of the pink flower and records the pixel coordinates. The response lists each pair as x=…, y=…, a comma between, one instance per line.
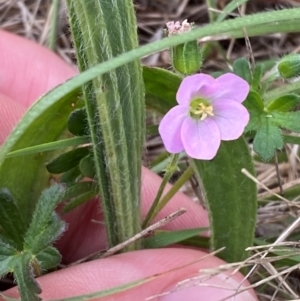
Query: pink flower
x=209, y=110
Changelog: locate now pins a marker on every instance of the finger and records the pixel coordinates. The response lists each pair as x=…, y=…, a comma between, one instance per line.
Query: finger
x=120, y=269
x=10, y=113
x=85, y=237
x=29, y=70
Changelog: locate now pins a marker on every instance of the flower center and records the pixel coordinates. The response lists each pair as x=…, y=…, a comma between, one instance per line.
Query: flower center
x=200, y=108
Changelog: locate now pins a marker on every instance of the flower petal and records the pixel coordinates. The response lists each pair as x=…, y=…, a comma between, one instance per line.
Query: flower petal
x=170, y=128
x=201, y=139
x=194, y=85
x=230, y=86
x=231, y=118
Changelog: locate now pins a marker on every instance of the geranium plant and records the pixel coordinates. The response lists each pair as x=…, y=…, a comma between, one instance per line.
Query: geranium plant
x=209, y=119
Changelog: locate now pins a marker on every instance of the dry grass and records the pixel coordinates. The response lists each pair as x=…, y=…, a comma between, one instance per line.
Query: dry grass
x=32, y=19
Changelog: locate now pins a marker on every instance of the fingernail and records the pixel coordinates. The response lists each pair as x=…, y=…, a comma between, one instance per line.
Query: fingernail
x=217, y=288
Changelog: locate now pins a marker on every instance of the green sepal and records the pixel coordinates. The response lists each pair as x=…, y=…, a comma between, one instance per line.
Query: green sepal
x=77, y=122
x=49, y=258
x=10, y=218
x=242, y=69
x=87, y=167
x=289, y=66
x=230, y=197
x=38, y=236
x=162, y=239
x=161, y=87
x=187, y=58
x=67, y=160
x=268, y=138
x=284, y=103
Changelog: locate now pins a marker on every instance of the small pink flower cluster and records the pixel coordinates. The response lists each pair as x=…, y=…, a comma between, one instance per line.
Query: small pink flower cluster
x=177, y=28
x=209, y=110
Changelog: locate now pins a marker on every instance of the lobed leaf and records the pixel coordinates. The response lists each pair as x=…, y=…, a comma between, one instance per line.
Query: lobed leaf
x=241, y=68
x=49, y=258
x=284, y=103
x=10, y=218
x=24, y=275
x=268, y=138
x=44, y=221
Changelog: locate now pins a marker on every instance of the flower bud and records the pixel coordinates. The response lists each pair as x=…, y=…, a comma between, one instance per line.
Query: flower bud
x=289, y=66
x=187, y=57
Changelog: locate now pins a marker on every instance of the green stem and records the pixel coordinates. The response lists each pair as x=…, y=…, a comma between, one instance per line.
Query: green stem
x=115, y=109
x=171, y=168
x=174, y=189
x=54, y=24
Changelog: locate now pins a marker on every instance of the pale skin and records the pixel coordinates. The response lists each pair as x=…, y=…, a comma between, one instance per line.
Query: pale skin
x=29, y=70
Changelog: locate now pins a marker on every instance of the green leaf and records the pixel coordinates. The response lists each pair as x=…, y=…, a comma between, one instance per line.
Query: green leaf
x=257, y=76
x=79, y=193
x=165, y=238
x=291, y=139
x=161, y=87
x=87, y=167
x=231, y=199
x=284, y=103
x=254, y=102
x=45, y=225
x=26, y=176
x=77, y=189
x=6, y=265
x=255, y=106
x=71, y=176
x=288, y=120
x=75, y=141
x=49, y=258
x=23, y=273
x=6, y=250
x=115, y=104
x=10, y=218
x=230, y=7
x=242, y=69
x=268, y=138
x=67, y=161
x=77, y=122
x=45, y=236
x=80, y=199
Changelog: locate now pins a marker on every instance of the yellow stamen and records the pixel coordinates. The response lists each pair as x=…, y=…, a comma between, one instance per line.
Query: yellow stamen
x=203, y=111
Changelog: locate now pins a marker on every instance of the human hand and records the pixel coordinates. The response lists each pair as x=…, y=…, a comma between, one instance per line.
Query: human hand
x=27, y=71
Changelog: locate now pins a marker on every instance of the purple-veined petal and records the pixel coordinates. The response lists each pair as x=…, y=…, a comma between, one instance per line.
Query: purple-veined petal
x=201, y=139
x=230, y=86
x=170, y=128
x=231, y=118
x=194, y=85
